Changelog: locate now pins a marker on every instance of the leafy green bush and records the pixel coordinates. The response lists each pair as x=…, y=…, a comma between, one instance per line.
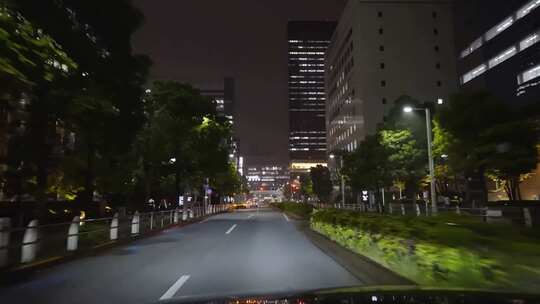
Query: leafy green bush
x=449, y=250
x=300, y=210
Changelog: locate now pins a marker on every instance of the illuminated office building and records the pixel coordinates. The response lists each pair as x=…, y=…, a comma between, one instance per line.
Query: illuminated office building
x=308, y=41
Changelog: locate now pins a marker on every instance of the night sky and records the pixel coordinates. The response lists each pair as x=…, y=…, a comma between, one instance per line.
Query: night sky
x=202, y=41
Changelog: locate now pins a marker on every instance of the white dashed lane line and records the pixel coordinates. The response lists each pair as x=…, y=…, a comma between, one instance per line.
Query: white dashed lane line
x=231, y=229
x=175, y=287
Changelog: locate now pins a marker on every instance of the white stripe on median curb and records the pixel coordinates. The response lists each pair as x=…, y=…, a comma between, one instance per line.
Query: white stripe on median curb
x=231, y=229
x=176, y=286
x=286, y=217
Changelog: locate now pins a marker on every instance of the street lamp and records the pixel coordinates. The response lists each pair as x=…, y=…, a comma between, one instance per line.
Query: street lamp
x=332, y=156
x=431, y=162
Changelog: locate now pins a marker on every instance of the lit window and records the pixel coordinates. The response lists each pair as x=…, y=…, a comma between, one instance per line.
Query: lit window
x=530, y=40
x=474, y=46
x=499, y=28
x=473, y=74
x=502, y=57
x=527, y=8
x=529, y=75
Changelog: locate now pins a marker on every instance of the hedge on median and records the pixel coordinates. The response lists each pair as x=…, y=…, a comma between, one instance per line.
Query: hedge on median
x=449, y=251
x=299, y=210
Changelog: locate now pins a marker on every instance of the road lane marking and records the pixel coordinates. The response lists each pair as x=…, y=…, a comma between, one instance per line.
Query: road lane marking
x=204, y=221
x=174, y=288
x=231, y=229
x=286, y=217
x=251, y=216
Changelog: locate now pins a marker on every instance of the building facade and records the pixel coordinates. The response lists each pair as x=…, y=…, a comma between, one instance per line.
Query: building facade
x=267, y=177
x=308, y=41
x=499, y=52
x=380, y=51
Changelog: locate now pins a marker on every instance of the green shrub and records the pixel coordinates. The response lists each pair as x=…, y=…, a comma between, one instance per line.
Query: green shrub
x=300, y=210
x=449, y=250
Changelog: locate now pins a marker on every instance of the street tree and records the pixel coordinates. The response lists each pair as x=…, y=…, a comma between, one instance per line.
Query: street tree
x=467, y=121
x=509, y=152
x=367, y=167
x=306, y=186
x=322, y=183
x=406, y=160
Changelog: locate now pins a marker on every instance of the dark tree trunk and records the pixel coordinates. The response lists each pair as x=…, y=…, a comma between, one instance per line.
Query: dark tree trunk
x=147, y=182
x=482, y=177
x=39, y=135
x=89, y=175
x=177, y=184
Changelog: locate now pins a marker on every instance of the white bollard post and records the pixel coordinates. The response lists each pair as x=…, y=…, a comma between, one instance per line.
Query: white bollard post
x=5, y=225
x=162, y=216
x=191, y=213
x=114, y=228
x=417, y=210
x=184, y=214
x=135, y=223
x=458, y=211
x=30, y=239
x=402, y=209
x=175, y=216
x=73, y=234
x=151, y=220
x=390, y=209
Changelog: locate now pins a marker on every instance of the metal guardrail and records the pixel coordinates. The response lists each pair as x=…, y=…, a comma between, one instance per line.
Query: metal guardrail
x=35, y=243
x=520, y=216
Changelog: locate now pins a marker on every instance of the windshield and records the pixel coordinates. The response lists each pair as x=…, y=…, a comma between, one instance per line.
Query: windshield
x=214, y=150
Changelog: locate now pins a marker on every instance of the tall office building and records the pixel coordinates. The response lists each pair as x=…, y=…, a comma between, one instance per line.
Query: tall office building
x=380, y=51
x=499, y=51
x=308, y=41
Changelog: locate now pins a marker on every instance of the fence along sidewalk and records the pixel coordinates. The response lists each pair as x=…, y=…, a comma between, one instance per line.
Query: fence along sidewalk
x=40, y=243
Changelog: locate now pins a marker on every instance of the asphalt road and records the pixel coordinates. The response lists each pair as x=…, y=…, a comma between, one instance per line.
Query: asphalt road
x=245, y=252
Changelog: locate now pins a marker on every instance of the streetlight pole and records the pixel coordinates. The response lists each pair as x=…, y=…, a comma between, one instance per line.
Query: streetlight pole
x=434, y=209
x=431, y=162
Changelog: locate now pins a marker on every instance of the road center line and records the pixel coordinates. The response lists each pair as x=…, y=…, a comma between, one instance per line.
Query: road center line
x=175, y=287
x=286, y=217
x=231, y=229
